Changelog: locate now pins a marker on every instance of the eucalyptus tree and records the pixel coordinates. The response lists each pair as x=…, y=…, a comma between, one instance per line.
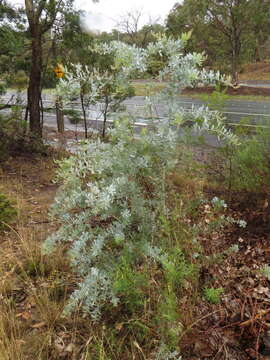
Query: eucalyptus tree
x=12, y=42
x=72, y=44
x=227, y=27
x=132, y=30
x=41, y=16
x=186, y=17
x=260, y=29
x=235, y=19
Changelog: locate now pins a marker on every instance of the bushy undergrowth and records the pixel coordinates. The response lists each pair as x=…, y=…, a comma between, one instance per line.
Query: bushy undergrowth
x=132, y=252
x=116, y=194
x=127, y=233
x=251, y=162
x=11, y=134
x=110, y=208
x=7, y=211
x=245, y=167
x=14, y=138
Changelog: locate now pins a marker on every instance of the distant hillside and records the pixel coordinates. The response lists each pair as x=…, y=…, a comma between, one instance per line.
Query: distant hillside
x=256, y=71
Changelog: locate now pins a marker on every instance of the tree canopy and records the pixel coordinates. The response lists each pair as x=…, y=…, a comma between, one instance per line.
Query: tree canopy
x=227, y=30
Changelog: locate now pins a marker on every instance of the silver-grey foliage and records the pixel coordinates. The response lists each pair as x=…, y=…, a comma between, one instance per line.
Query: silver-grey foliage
x=113, y=193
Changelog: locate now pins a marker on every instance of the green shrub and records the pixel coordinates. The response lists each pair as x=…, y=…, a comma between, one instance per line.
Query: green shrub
x=12, y=133
x=7, y=212
x=115, y=193
x=74, y=116
x=129, y=285
x=176, y=269
x=217, y=100
x=155, y=66
x=212, y=295
x=168, y=318
x=244, y=167
x=251, y=163
x=265, y=271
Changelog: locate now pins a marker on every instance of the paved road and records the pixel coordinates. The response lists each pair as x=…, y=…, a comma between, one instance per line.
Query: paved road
x=257, y=112
x=256, y=83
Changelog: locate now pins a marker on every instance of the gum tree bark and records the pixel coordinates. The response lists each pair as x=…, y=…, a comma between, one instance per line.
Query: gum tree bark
x=34, y=88
x=41, y=16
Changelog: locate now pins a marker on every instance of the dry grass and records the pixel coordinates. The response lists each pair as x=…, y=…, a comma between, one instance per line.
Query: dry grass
x=147, y=87
x=32, y=290
x=255, y=76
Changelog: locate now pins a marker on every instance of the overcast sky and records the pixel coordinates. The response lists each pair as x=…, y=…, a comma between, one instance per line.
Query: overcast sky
x=103, y=16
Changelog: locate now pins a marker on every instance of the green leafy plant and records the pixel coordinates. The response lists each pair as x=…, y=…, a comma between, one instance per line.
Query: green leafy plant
x=176, y=268
x=73, y=116
x=251, y=162
x=212, y=295
x=168, y=318
x=12, y=126
x=217, y=99
x=7, y=212
x=130, y=285
x=245, y=167
x=265, y=271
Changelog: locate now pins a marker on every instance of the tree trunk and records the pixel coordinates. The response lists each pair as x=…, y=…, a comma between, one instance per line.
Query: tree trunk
x=236, y=48
x=105, y=116
x=34, y=88
x=60, y=115
x=257, y=52
x=84, y=115
x=234, y=68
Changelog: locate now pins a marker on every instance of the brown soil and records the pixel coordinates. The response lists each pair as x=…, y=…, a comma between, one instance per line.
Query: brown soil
x=238, y=327
x=28, y=181
x=50, y=133
x=260, y=67
x=256, y=71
